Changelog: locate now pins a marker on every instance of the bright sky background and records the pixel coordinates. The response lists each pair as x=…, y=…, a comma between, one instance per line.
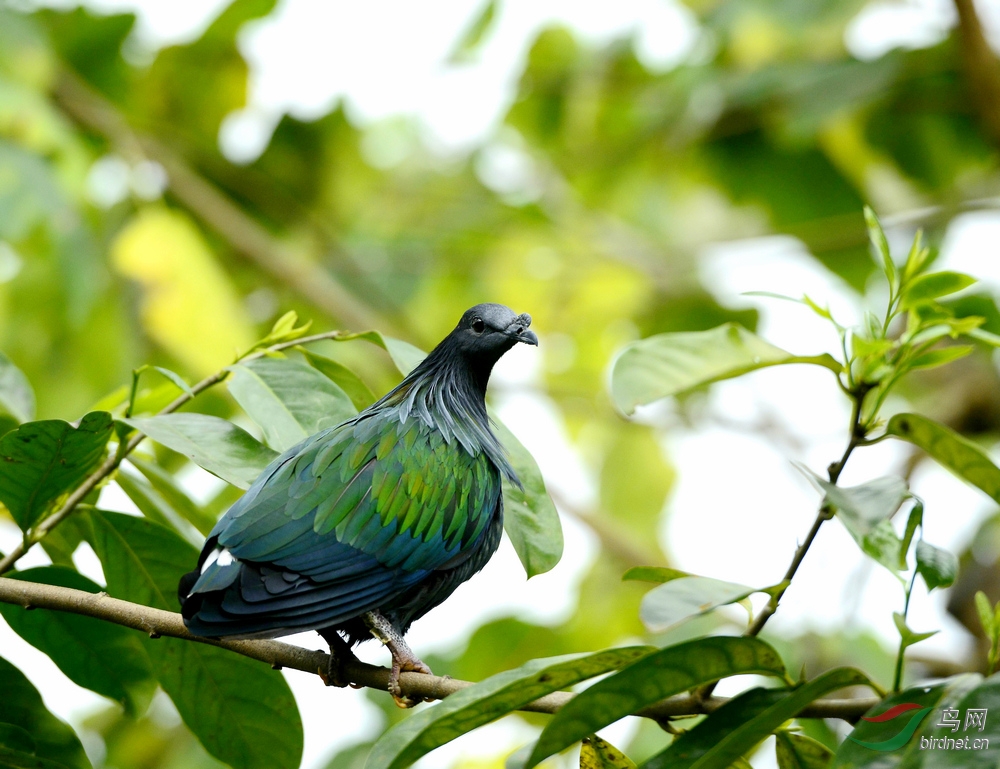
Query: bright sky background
x=311, y=53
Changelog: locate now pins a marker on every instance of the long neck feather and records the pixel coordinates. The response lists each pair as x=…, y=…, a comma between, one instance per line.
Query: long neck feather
x=447, y=392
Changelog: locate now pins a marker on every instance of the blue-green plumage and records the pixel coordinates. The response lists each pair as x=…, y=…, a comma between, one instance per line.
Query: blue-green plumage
x=388, y=512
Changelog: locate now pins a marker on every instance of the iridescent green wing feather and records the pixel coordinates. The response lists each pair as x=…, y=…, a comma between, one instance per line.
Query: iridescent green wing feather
x=402, y=487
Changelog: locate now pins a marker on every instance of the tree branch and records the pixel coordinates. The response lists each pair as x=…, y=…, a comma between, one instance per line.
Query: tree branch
x=982, y=68
x=156, y=622
x=92, y=111
x=111, y=463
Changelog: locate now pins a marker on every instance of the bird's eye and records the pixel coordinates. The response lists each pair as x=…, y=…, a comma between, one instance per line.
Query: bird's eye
x=478, y=326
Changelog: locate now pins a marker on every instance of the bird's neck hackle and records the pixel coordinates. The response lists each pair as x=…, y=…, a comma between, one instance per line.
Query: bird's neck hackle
x=447, y=392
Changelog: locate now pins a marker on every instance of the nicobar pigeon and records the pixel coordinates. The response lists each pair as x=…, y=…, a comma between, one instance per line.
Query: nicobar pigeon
x=364, y=527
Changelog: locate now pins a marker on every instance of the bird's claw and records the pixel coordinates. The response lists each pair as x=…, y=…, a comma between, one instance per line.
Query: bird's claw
x=340, y=657
x=405, y=665
x=403, y=658
x=335, y=673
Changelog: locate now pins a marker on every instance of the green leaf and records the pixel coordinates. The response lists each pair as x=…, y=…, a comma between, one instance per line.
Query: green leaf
x=360, y=394
x=11, y=758
x=906, y=634
x=670, y=364
x=823, y=312
x=288, y=399
x=939, y=357
x=739, y=725
x=654, y=677
x=929, y=287
x=17, y=738
x=214, y=444
x=796, y=751
x=154, y=400
x=100, y=656
x=985, y=611
x=41, y=461
x=954, y=452
x=686, y=597
x=150, y=503
x=595, y=753
x=284, y=330
x=877, y=236
x=806, y=301
x=965, y=325
x=915, y=519
x=239, y=709
x=178, y=500
x=917, y=258
x=148, y=400
x=865, y=510
x=880, y=543
x=62, y=541
x=17, y=399
x=404, y=355
x=177, y=379
x=932, y=334
x=653, y=574
x=21, y=707
x=691, y=748
x=242, y=711
x=873, y=326
x=488, y=700
x=938, y=567
x=473, y=36
x=772, y=295
x=865, y=505
x=142, y=560
x=530, y=517
x=864, y=347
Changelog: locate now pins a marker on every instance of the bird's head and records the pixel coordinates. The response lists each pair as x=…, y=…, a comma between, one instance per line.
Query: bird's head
x=480, y=339
x=465, y=357
x=487, y=331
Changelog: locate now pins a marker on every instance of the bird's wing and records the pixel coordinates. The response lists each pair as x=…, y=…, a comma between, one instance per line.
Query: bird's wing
x=346, y=520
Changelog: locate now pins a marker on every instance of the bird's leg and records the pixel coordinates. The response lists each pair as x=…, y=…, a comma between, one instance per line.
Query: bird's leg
x=403, y=658
x=340, y=656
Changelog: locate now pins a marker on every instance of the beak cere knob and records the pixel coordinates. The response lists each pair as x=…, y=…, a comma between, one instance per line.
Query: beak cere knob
x=519, y=329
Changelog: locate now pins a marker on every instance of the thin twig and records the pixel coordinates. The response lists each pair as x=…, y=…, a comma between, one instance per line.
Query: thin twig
x=824, y=514
x=156, y=622
x=111, y=463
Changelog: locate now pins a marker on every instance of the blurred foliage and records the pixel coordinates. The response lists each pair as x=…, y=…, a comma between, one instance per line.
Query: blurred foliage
x=126, y=237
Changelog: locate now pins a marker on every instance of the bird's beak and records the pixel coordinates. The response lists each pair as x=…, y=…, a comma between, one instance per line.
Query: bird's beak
x=519, y=330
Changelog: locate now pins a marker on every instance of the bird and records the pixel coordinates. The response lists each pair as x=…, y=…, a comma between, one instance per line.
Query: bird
x=364, y=527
